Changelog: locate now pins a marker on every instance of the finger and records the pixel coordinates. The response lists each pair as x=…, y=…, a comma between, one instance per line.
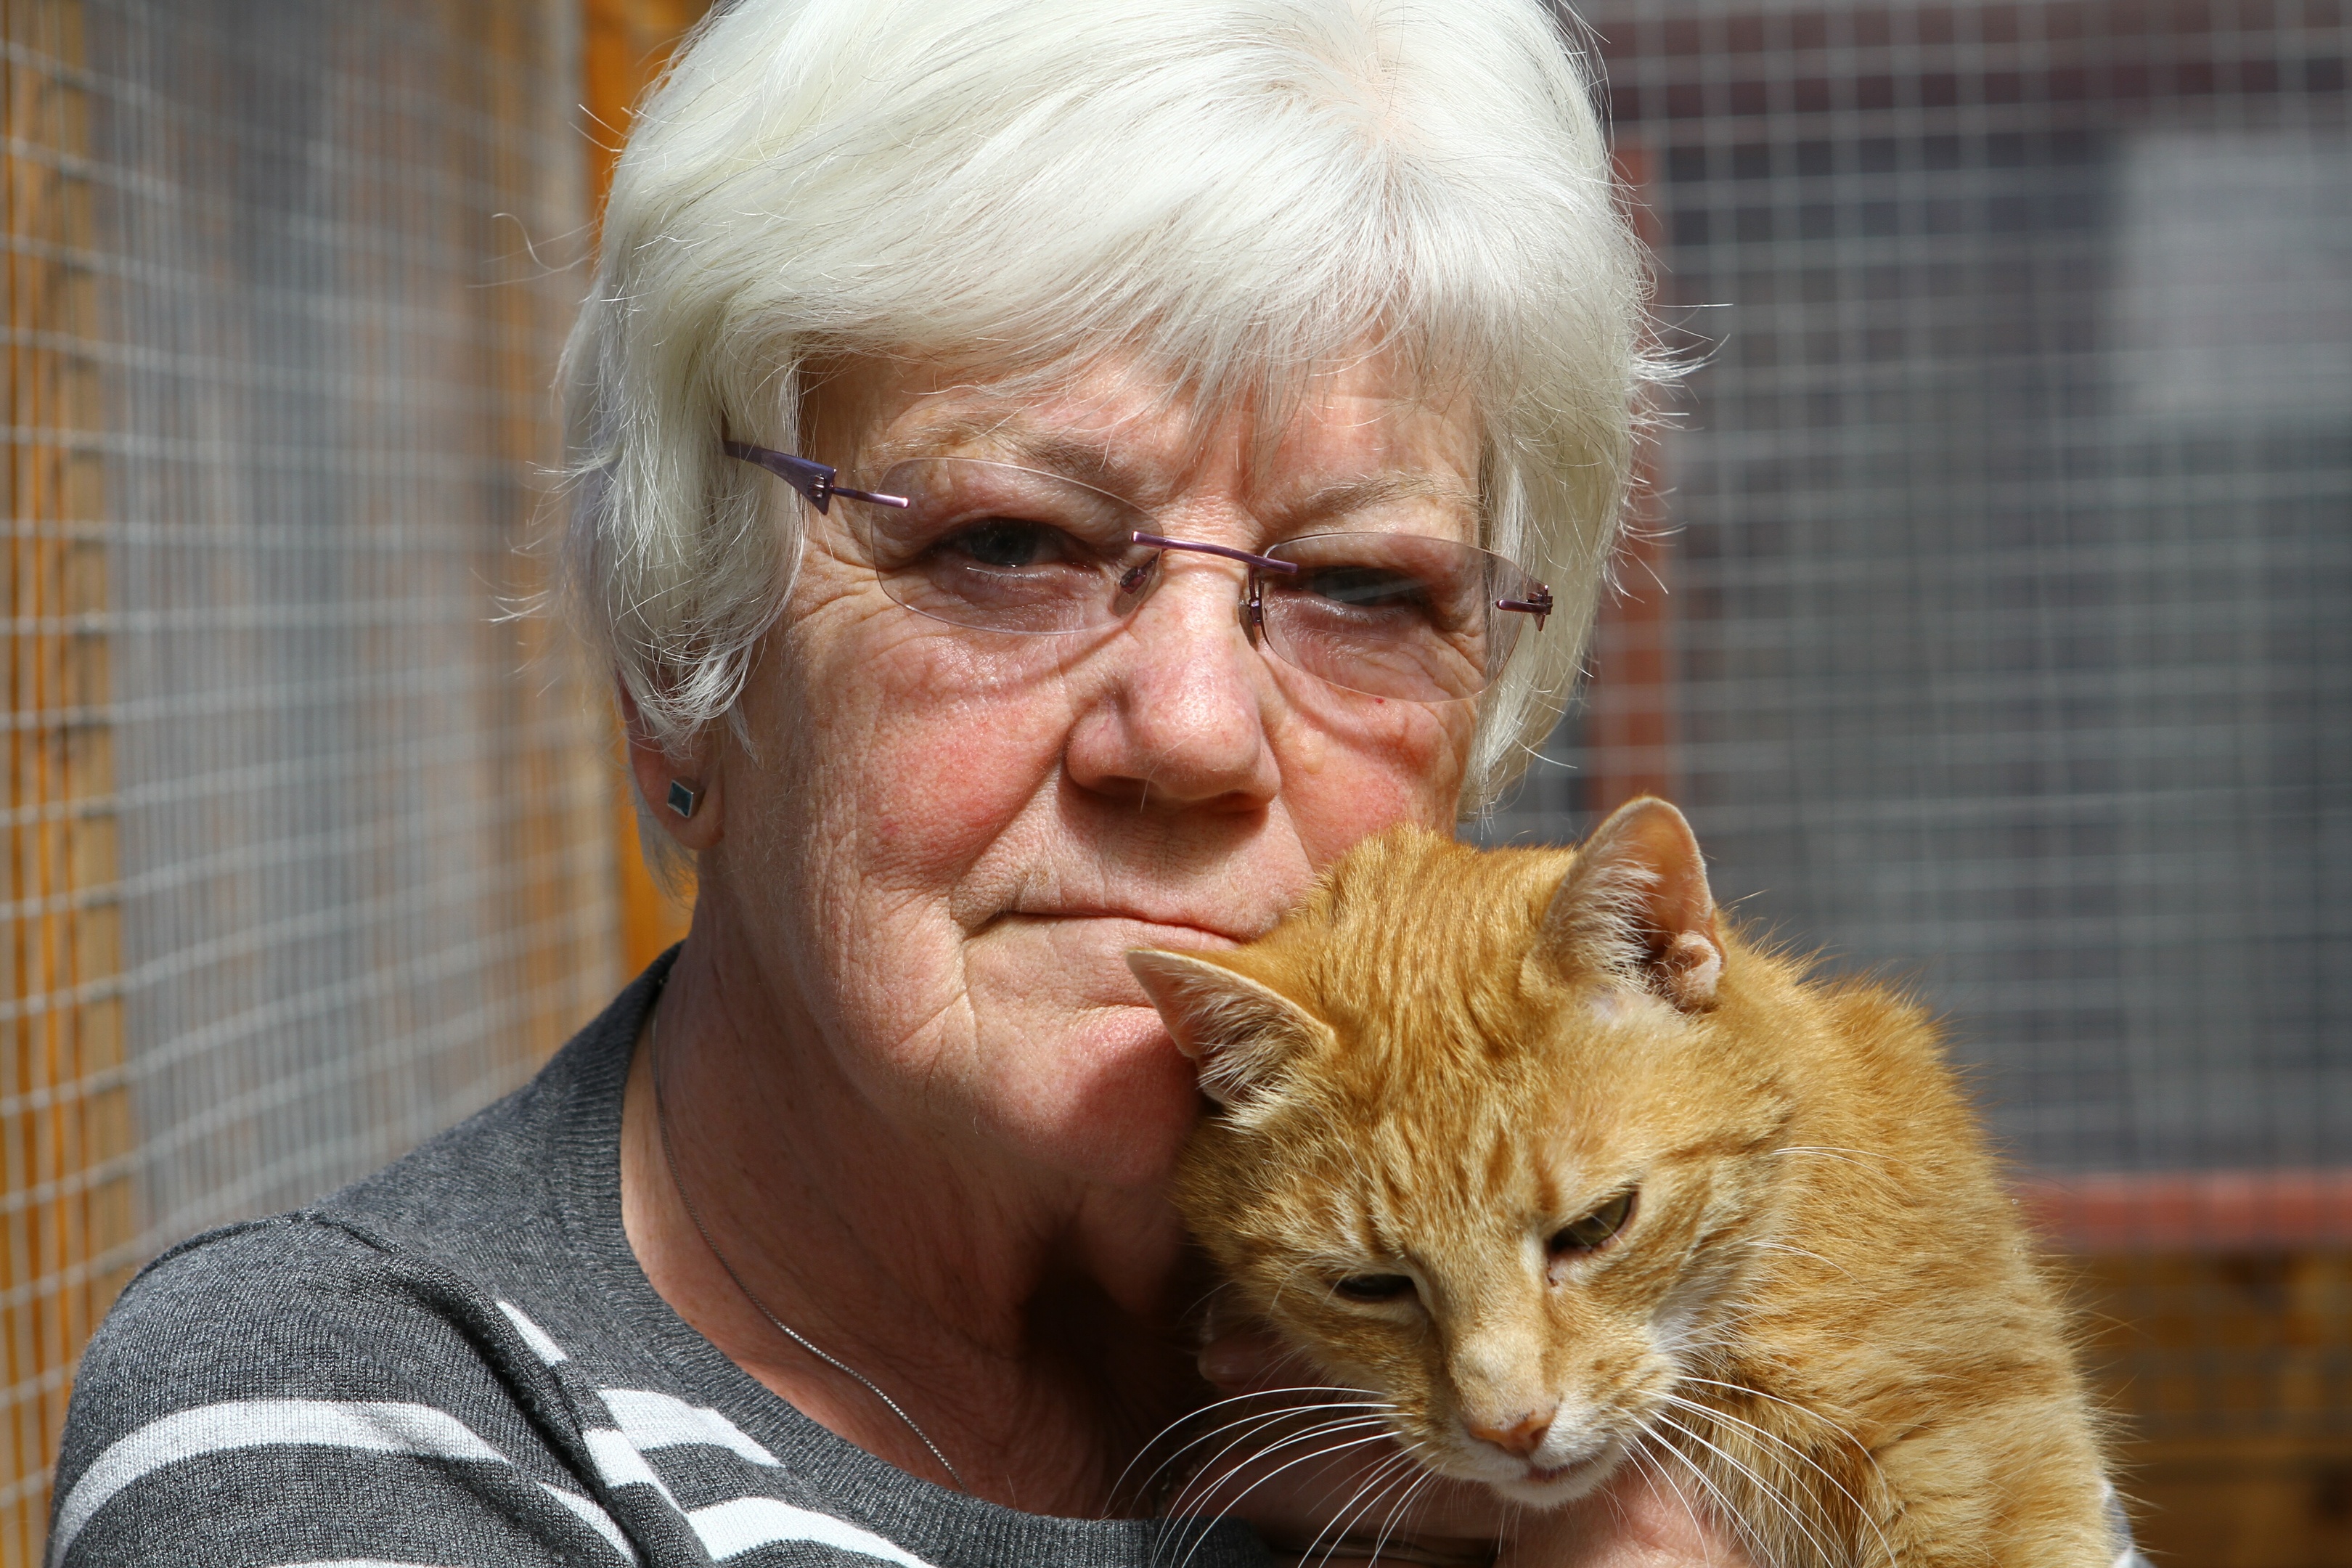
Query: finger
x=1634, y=1521
x=1251, y=1358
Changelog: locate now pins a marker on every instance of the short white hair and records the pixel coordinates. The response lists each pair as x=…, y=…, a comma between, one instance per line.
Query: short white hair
x=1232, y=194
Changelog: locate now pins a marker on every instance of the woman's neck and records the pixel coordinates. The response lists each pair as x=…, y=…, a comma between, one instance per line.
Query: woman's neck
x=1023, y=1323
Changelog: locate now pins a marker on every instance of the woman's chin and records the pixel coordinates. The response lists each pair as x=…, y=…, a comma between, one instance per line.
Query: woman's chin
x=1108, y=1100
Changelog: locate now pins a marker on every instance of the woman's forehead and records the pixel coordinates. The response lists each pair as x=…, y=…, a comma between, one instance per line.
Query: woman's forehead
x=1351, y=439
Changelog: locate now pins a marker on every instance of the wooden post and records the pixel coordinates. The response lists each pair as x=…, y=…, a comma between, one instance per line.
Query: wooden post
x=626, y=44
x=68, y=1219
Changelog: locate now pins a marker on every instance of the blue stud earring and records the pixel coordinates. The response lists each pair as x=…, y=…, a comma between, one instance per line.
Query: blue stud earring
x=682, y=800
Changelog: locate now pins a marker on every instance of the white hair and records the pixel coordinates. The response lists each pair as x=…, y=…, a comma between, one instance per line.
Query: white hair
x=1233, y=194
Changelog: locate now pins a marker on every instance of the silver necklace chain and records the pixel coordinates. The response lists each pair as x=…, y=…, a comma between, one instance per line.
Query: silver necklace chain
x=669, y=1158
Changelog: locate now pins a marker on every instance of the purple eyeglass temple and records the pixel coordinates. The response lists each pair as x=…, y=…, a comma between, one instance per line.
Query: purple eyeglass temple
x=1537, y=604
x=815, y=481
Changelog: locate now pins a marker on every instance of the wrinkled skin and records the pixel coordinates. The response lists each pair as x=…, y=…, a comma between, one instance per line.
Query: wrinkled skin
x=932, y=1117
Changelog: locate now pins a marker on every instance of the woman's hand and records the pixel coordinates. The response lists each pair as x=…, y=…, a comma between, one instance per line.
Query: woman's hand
x=1369, y=1488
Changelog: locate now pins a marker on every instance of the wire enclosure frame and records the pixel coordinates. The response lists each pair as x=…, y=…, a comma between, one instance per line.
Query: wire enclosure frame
x=309, y=854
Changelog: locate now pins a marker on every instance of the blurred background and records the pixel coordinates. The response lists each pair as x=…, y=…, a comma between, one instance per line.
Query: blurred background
x=1991, y=614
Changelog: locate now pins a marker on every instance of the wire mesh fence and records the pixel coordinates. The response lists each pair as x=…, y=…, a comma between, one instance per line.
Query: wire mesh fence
x=308, y=855
x=1996, y=631
x=1993, y=629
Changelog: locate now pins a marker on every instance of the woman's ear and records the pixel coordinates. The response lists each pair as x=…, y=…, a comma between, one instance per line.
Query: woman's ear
x=680, y=793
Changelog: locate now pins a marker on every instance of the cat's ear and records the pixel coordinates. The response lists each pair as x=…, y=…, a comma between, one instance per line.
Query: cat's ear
x=1637, y=903
x=1239, y=1031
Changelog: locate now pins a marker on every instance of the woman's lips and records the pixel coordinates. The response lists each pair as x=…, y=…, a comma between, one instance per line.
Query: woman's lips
x=1191, y=931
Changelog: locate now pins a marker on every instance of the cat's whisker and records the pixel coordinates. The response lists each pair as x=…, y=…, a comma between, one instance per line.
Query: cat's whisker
x=1211, y=1473
x=1645, y=1456
x=1858, y=1446
x=1741, y=1522
x=1373, y=1402
x=1250, y=1426
x=1395, y=1470
x=1214, y=1472
x=1715, y=1413
x=1399, y=1510
x=1254, y=1417
x=1770, y=1492
x=1203, y=1483
x=1384, y=1475
x=1280, y=1469
x=1245, y=1427
x=1863, y=1513
x=1660, y=1450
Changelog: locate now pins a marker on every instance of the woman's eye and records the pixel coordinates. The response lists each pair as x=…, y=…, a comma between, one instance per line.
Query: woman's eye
x=1008, y=543
x=1595, y=1230
x=1368, y=587
x=1375, y=1287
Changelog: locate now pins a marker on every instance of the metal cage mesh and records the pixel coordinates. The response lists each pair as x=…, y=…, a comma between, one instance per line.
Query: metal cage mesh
x=1993, y=629
x=310, y=853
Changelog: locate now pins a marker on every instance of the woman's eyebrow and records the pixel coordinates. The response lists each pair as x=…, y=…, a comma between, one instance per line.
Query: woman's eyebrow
x=1372, y=490
x=1008, y=439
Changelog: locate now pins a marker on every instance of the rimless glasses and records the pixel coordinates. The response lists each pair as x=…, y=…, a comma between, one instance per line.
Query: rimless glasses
x=1000, y=548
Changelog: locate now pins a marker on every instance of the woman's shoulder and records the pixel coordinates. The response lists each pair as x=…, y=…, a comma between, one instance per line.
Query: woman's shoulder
x=295, y=1358
x=386, y=1339
x=411, y=1262
x=543, y=1160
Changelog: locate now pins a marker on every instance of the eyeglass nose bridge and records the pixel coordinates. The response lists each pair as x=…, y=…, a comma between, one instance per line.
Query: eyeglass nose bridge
x=1252, y=606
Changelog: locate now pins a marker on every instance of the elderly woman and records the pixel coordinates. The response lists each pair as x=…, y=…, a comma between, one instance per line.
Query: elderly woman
x=1055, y=474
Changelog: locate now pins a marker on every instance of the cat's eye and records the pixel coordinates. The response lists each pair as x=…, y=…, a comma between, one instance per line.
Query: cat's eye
x=1375, y=1287
x=1595, y=1230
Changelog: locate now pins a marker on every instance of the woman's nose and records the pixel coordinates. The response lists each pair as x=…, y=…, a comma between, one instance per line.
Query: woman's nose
x=1174, y=705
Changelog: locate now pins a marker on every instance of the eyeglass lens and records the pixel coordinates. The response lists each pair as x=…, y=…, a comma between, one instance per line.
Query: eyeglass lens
x=998, y=547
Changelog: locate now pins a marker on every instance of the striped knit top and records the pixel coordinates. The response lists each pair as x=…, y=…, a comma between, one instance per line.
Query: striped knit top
x=458, y=1361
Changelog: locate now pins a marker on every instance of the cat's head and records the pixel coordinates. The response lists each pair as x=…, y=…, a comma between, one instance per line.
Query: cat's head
x=1491, y=1138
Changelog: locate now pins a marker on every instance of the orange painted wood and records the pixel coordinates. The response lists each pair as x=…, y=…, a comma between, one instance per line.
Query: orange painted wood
x=68, y=1219
x=2194, y=1212
x=2225, y=1377
x=626, y=44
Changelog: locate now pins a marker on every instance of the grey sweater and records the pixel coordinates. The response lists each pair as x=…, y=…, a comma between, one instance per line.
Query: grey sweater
x=458, y=1361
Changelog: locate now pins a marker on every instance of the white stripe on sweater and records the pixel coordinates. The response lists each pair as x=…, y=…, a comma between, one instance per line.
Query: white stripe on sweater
x=384, y=1428
x=595, y=1517
x=541, y=1343
x=732, y=1529
x=618, y=1463
x=654, y=1420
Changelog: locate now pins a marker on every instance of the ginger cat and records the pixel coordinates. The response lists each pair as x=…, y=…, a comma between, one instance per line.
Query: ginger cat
x=1529, y=1145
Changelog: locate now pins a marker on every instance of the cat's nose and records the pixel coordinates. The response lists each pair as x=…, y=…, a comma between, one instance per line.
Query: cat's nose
x=1521, y=1438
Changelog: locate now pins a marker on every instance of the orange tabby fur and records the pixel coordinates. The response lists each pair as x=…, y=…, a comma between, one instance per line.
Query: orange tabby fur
x=1446, y=1055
